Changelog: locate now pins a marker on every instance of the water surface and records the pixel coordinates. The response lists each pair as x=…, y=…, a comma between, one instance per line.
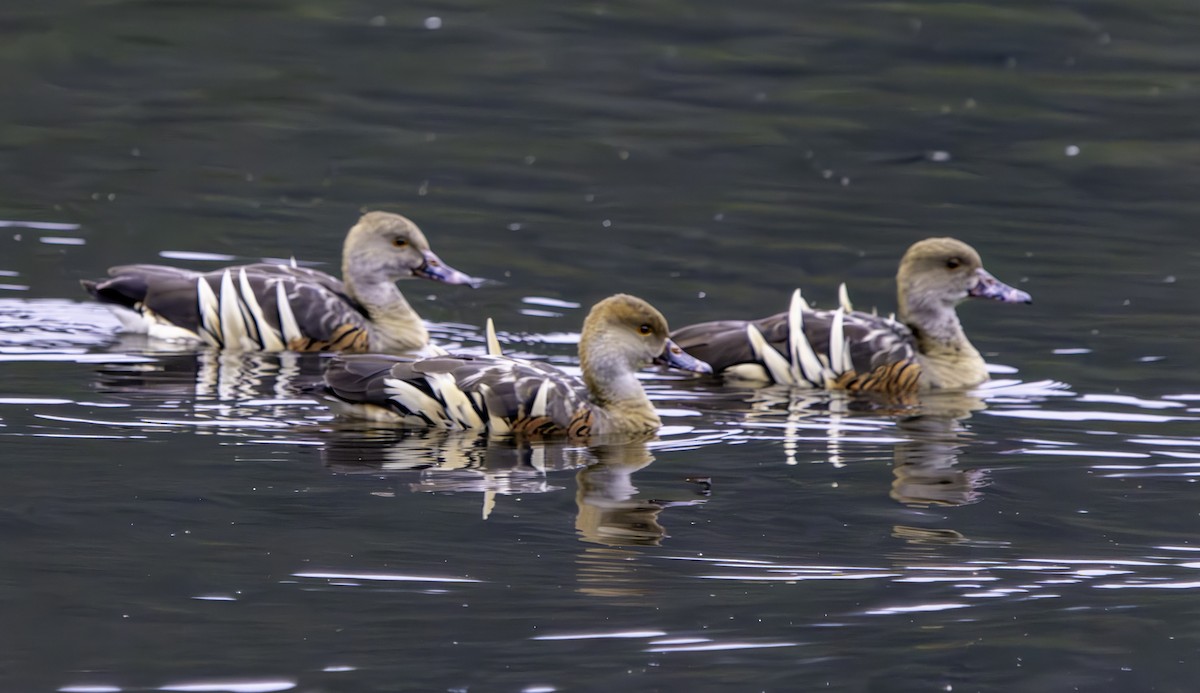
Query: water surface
x=176, y=519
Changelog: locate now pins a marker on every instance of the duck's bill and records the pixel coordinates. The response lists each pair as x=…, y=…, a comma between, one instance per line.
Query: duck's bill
x=433, y=268
x=990, y=287
x=673, y=356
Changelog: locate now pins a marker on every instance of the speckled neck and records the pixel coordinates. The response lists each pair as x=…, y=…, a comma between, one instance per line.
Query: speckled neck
x=948, y=359
x=395, y=326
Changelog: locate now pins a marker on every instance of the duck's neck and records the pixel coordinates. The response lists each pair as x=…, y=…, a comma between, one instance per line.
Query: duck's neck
x=948, y=359
x=620, y=404
x=395, y=326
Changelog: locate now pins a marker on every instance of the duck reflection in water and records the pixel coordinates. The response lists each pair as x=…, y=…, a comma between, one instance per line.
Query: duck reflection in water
x=931, y=436
x=926, y=468
x=926, y=463
x=219, y=384
x=610, y=511
x=450, y=461
x=616, y=521
x=236, y=384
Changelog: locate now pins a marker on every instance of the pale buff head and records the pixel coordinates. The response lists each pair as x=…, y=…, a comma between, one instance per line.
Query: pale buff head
x=938, y=273
x=385, y=247
x=627, y=325
x=623, y=333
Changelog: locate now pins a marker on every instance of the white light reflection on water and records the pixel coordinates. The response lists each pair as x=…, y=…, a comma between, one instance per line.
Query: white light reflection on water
x=1181, y=442
x=721, y=646
x=658, y=643
x=277, y=402
x=1074, y=452
x=34, y=400
x=1150, y=585
x=553, y=338
x=176, y=423
x=549, y=302
x=190, y=255
x=82, y=436
x=45, y=329
x=798, y=577
x=602, y=636
x=1037, y=389
x=267, y=686
x=915, y=608
x=7, y=355
x=1022, y=579
x=1052, y=415
x=1131, y=401
x=381, y=577
x=41, y=225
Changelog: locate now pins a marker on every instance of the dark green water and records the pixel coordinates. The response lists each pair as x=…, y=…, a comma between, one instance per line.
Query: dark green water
x=190, y=521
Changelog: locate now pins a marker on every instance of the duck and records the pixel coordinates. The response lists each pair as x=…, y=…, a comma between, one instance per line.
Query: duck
x=923, y=347
x=273, y=307
x=504, y=395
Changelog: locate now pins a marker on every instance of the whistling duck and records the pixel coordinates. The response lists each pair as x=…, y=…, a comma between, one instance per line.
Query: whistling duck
x=923, y=347
x=508, y=395
x=268, y=307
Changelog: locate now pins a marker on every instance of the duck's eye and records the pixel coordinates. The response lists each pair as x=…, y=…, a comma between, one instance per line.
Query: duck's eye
x=953, y=263
x=399, y=242
x=644, y=329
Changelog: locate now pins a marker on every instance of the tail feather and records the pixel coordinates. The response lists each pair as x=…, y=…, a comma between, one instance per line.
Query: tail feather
x=125, y=291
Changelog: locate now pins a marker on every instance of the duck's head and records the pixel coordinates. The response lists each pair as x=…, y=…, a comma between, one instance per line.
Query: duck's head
x=941, y=272
x=386, y=247
x=634, y=329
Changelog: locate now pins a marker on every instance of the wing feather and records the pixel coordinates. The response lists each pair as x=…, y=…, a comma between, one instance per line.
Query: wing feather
x=209, y=310
x=268, y=333
x=252, y=307
x=822, y=348
x=499, y=393
x=493, y=344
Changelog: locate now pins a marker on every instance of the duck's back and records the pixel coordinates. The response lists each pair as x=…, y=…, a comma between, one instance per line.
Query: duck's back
x=841, y=350
x=497, y=393
x=249, y=307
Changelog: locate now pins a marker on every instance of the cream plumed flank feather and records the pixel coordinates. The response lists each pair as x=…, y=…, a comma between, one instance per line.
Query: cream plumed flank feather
x=266, y=307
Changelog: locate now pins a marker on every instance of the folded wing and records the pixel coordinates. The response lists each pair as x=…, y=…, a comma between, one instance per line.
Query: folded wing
x=249, y=307
x=501, y=394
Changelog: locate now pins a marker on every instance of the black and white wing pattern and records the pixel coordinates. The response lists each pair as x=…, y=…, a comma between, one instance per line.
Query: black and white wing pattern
x=501, y=394
x=259, y=307
x=839, y=349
